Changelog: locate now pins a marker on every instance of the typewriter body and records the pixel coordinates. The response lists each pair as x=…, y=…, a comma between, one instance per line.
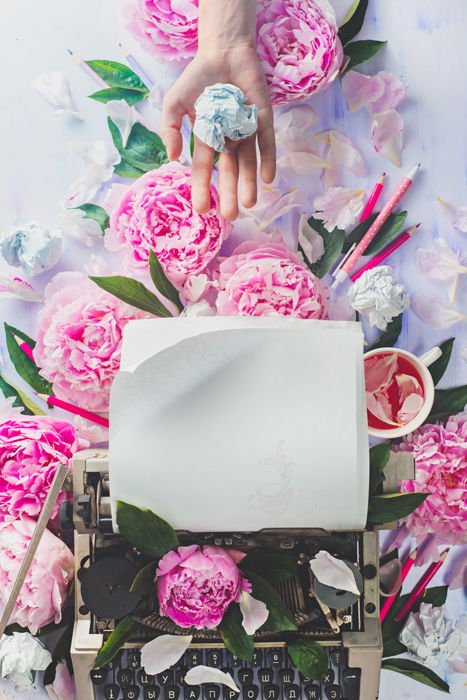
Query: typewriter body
x=351, y=634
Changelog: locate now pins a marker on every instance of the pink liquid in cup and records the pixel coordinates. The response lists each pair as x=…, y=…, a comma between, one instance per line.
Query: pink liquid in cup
x=394, y=390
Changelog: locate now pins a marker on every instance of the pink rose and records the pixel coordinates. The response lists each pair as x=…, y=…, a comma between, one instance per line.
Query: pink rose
x=267, y=279
x=46, y=587
x=440, y=453
x=31, y=450
x=79, y=339
x=155, y=212
x=298, y=45
x=195, y=585
x=167, y=29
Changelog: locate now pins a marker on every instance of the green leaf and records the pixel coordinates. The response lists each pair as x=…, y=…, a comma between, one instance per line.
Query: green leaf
x=352, y=26
x=391, y=628
x=145, y=530
x=124, y=169
x=448, y=402
x=280, y=618
x=393, y=647
x=26, y=368
x=22, y=400
x=235, y=638
x=144, y=580
x=144, y=149
x=96, y=213
x=134, y=293
x=393, y=506
x=389, y=337
x=162, y=283
x=438, y=368
x=379, y=457
x=131, y=97
x=125, y=629
x=270, y=565
x=309, y=657
x=118, y=75
x=390, y=227
x=360, y=51
x=416, y=671
x=333, y=243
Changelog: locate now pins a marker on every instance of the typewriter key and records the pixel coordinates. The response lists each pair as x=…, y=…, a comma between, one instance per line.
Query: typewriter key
x=312, y=692
x=105, y=587
x=131, y=693
x=112, y=692
x=250, y=692
x=333, y=692
x=229, y=693
x=151, y=693
x=192, y=692
x=99, y=675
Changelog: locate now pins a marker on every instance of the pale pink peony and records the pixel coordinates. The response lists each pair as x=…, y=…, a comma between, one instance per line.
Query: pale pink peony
x=167, y=29
x=79, y=338
x=299, y=48
x=195, y=585
x=47, y=582
x=31, y=450
x=440, y=453
x=155, y=212
x=264, y=278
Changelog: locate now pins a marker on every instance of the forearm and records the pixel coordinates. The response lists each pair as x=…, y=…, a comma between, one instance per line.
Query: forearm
x=224, y=24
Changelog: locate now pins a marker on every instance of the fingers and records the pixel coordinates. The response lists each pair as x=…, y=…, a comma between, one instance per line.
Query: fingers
x=201, y=170
x=267, y=144
x=171, y=123
x=246, y=153
x=228, y=184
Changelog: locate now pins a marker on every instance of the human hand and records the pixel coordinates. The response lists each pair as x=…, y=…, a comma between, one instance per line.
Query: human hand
x=237, y=64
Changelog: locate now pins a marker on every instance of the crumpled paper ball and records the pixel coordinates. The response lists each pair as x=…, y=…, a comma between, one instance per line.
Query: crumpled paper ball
x=221, y=113
x=378, y=296
x=429, y=636
x=20, y=655
x=32, y=247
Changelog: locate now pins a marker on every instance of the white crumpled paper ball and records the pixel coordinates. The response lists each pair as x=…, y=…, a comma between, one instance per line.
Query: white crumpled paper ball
x=20, y=655
x=378, y=296
x=221, y=113
x=32, y=247
x=429, y=636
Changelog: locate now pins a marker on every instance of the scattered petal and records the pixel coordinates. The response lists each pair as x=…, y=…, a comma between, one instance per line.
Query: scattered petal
x=99, y=157
x=456, y=215
x=464, y=354
x=390, y=576
x=156, y=96
x=164, y=651
x=442, y=264
x=459, y=578
x=361, y=90
x=339, y=206
x=302, y=161
x=435, y=311
x=16, y=288
x=255, y=613
x=341, y=154
x=333, y=572
x=272, y=204
x=206, y=674
x=76, y=224
x=340, y=309
x=295, y=144
x=386, y=135
x=311, y=241
x=394, y=91
x=53, y=87
x=95, y=434
x=199, y=308
x=379, y=371
x=62, y=687
x=123, y=116
x=8, y=411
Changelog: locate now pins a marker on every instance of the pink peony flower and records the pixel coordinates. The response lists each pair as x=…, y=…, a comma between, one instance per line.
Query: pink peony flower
x=298, y=45
x=195, y=585
x=167, y=29
x=264, y=278
x=155, y=212
x=46, y=587
x=440, y=453
x=31, y=450
x=79, y=339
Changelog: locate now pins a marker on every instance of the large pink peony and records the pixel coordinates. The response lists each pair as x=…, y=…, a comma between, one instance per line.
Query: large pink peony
x=47, y=582
x=31, y=450
x=195, y=585
x=267, y=279
x=168, y=29
x=155, y=212
x=440, y=454
x=79, y=339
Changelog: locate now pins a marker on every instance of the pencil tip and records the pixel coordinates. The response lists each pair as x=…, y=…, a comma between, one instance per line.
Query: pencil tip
x=70, y=52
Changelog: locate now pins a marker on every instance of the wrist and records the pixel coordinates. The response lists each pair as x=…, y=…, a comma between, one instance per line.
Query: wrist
x=226, y=24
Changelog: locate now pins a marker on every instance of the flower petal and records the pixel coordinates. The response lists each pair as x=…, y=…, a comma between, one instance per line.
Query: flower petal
x=123, y=116
x=53, y=87
x=16, y=288
x=333, y=572
x=206, y=674
x=255, y=613
x=311, y=241
x=394, y=91
x=361, y=90
x=442, y=264
x=341, y=154
x=456, y=215
x=339, y=206
x=386, y=135
x=164, y=651
x=379, y=371
x=435, y=311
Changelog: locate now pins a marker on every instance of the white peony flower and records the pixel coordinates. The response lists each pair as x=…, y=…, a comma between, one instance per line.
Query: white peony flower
x=378, y=296
x=20, y=655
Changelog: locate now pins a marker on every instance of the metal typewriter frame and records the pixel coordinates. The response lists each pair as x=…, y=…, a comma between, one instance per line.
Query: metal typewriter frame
x=91, y=509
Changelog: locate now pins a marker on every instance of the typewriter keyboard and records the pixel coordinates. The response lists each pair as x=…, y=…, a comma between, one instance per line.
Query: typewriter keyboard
x=269, y=676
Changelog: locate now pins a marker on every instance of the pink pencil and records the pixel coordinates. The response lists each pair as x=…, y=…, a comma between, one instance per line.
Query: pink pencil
x=397, y=242
x=87, y=69
x=74, y=409
x=343, y=272
x=27, y=349
x=405, y=570
x=373, y=198
x=421, y=585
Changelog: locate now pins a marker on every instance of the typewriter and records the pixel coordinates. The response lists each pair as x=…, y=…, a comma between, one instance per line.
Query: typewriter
x=349, y=630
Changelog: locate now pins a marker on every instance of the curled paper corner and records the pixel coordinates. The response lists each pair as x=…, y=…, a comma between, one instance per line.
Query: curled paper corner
x=333, y=572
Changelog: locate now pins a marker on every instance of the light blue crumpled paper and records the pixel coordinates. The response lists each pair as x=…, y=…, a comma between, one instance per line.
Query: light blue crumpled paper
x=32, y=247
x=221, y=113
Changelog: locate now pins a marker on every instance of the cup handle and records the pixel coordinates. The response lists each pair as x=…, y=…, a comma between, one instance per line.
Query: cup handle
x=431, y=356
